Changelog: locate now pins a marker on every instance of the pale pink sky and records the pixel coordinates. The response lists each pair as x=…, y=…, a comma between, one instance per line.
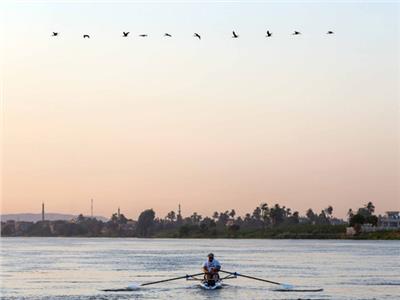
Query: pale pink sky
x=215, y=124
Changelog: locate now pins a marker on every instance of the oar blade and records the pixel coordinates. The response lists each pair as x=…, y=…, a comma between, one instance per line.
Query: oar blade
x=129, y=288
x=293, y=288
x=133, y=286
x=285, y=286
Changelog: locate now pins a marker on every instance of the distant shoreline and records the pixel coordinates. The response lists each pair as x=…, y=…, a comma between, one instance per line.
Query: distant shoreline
x=35, y=217
x=209, y=238
x=265, y=222
x=378, y=235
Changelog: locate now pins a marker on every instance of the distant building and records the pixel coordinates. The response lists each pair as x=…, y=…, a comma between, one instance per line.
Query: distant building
x=230, y=223
x=350, y=231
x=390, y=221
x=8, y=228
x=369, y=228
x=22, y=227
x=336, y=221
x=59, y=227
x=129, y=227
x=304, y=220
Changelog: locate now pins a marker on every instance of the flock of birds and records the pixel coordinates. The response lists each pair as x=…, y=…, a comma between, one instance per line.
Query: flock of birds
x=196, y=35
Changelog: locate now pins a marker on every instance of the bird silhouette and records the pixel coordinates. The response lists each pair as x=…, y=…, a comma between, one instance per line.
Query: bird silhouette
x=167, y=34
x=329, y=32
x=296, y=33
x=55, y=33
x=86, y=36
x=125, y=34
x=269, y=34
x=197, y=35
x=234, y=35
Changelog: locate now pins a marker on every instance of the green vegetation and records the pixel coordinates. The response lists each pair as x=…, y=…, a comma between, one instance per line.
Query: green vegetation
x=276, y=222
x=364, y=215
x=379, y=235
x=301, y=231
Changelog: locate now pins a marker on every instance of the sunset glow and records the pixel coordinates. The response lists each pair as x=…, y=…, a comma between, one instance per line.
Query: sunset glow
x=212, y=124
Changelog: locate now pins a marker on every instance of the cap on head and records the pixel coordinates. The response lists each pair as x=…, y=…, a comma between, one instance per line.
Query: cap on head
x=210, y=255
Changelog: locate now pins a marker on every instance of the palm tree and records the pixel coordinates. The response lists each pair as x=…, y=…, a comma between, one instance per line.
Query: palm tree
x=223, y=217
x=310, y=215
x=171, y=216
x=370, y=207
x=288, y=212
x=350, y=213
x=195, y=218
x=295, y=217
x=257, y=213
x=215, y=215
x=329, y=211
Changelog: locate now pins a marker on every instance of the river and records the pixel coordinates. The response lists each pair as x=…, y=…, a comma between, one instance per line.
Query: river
x=79, y=268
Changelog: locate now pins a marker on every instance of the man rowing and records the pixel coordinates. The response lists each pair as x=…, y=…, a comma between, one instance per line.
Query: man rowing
x=211, y=268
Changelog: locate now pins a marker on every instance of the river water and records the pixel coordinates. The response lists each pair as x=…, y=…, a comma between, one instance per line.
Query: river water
x=79, y=268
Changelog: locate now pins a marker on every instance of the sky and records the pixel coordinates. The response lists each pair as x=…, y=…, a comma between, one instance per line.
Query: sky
x=213, y=124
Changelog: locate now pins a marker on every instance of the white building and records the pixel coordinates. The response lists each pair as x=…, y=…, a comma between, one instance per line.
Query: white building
x=391, y=221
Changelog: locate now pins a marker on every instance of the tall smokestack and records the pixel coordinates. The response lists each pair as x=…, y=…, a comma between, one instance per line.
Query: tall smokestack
x=42, y=211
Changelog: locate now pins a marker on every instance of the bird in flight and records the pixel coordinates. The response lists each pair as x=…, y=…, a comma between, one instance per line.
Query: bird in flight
x=234, y=35
x=143, y=35
x=167, y=34
x=269, y=34
x=197, y=35
x=55, y=33
x=329, y=32
x=86, y=36
x=125, y=34
x=296, y=33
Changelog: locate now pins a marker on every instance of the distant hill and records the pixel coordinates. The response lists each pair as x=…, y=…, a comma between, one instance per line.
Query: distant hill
x=29, y=217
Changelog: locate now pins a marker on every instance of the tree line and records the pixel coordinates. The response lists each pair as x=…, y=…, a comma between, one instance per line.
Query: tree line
x=264, y=220
x=263, y=217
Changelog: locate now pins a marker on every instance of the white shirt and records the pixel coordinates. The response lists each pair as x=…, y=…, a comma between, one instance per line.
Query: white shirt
x=211, y=264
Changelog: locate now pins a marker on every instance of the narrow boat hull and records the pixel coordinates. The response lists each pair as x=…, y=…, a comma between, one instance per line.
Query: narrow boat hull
x=217, y=285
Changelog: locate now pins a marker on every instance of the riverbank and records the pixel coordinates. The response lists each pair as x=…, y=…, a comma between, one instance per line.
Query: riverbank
x=283, y=232
x=381, y=235
x=93, y=228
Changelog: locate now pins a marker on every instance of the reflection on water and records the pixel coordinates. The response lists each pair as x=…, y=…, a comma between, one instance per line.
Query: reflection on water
x=78, y=268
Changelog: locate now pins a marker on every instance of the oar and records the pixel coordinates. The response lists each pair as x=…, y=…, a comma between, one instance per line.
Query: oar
x=171, y=279
x=285, y=286
x=135, y=286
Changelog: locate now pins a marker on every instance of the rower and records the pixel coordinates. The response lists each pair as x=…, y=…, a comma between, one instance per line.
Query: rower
x=211, y=268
